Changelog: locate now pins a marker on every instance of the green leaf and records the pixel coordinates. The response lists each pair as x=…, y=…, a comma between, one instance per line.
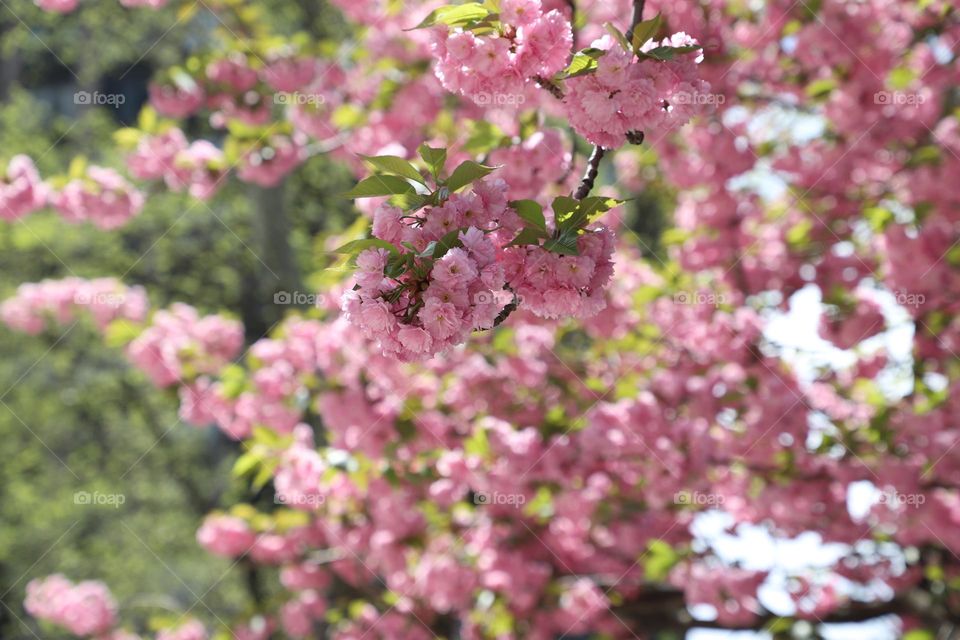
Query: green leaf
x=436, y=249
x=408, y=201
x=646, y=30
x=618, y=36
x=900, y=78
x=574, y=214
x=660, y=558
x=127, y=137
x=668, y=53
x=454, y=15
x=527, y=236
x=878, y=218
x=563, y=207
x=595, y=205
x=466, y=173
x=78, y=167
x=484, y=137
x=584, y=62
x=821, y=87
x=396, y=166
x=435, y=159
x=246, y=463
x=565, y=244
x=531, y=213
x=356, y=246
x=379, y=185
x=147, y=120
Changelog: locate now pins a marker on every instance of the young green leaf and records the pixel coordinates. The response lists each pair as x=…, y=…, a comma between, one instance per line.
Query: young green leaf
x=455, y=15
x=565, y=244
x=528, y=235
x=436, y=249
x=356, y=246
x=586, y=211
x=618, y=36
x=531, y=213
x=584, y=62
x=396, y=166
x=646, y=30
x=379, y=185
x=667, y=53
x=435, y=159
x=563, y=208
x=466, y=173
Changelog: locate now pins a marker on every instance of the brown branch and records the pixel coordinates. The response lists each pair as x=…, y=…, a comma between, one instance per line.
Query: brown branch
x=549, y=85
x=663, y=609
x=637, y=18
x=590, y=176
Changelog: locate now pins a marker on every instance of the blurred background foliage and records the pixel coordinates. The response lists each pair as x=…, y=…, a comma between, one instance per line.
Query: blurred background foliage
x=73, y=415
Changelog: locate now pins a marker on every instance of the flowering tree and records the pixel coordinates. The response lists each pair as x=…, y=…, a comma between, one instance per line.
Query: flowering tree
x=503, y=419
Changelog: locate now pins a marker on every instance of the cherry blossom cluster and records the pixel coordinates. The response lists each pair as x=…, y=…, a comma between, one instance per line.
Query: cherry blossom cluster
x=101, y=196
x=85, y=609
x=198, y=167
x=61, y=302
x=232, y=88
x=628, y=94
x=563, y=286
x=180, y=344
x=21, y=191
x=441, y=293
x=493, y=69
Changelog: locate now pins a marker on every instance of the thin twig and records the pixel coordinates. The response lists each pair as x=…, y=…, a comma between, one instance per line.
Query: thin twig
x=637, y=18
x=549, y=85
x=590, y=177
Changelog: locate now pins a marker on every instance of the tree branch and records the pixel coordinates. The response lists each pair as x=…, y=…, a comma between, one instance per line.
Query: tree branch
x=590, y=176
